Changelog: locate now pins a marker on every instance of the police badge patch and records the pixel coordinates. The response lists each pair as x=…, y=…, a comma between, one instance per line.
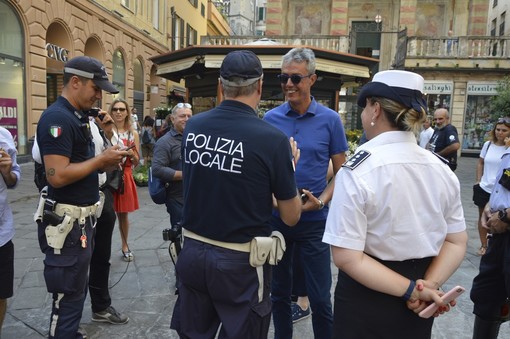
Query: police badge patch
x=356, y=159
x=55, y=131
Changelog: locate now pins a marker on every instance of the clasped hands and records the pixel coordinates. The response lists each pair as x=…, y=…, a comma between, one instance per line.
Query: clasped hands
x=424, y=294
x=490, y=221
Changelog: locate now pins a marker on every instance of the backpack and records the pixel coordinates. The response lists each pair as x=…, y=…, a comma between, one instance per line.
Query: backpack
x=146, y=138
x=157, y=189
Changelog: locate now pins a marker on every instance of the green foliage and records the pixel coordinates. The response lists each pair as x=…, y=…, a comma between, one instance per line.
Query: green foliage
x=500, y=103
x=353, y=135
x=141, y=175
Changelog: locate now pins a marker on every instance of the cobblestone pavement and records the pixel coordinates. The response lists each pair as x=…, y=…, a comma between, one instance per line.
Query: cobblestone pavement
x=144, y=289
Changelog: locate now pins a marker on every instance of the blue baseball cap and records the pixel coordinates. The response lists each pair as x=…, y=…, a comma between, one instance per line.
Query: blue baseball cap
x=90, y=68
x=241, y=64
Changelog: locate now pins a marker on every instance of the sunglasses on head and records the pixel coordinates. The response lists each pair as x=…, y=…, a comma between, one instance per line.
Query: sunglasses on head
x=504, y=121
x=183, y=104
x=118, y=109
x=295, y=78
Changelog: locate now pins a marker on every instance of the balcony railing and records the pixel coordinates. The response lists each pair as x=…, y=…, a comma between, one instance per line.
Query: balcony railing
x=337, y=43
x=464, y=47
x=458, y=47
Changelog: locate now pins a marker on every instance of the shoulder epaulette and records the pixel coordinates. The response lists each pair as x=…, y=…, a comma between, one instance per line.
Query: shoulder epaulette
x=356, y=159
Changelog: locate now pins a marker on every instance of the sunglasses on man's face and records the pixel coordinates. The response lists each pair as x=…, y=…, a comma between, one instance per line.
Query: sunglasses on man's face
x=118, y=109
x=295, y=78
x=183, y=104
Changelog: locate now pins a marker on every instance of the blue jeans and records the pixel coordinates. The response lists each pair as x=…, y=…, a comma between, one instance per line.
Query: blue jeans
x=316, y=263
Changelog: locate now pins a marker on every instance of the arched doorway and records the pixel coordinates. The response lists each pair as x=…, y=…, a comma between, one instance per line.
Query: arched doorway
x=12, y=77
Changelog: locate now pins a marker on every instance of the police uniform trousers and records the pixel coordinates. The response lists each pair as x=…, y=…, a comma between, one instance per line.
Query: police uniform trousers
x=361, y=312
x=219, y=286
x=99, y=272
x=315, y=256
x=66, y=278
x=491, y=287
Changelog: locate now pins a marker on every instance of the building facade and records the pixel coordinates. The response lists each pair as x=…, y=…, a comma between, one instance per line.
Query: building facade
x=38, y=37
x=460, y=47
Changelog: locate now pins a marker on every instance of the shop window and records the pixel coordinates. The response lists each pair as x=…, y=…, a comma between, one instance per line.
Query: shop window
x=119, y=73
x=477, y=119
x=435, y=101
x=12, y=82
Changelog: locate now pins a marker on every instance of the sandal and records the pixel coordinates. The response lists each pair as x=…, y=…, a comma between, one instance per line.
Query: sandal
x=482, y=250
x=128, y=256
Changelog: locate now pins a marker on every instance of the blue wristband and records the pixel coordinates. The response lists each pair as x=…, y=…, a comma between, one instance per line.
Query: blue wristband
x=410, y=289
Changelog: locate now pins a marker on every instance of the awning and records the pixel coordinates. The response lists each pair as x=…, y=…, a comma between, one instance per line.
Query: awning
x=176, y=66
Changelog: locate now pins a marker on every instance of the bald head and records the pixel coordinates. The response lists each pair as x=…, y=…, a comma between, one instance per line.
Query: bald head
x=441, y=117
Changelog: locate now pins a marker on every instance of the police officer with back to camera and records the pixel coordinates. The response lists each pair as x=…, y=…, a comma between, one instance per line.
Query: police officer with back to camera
x=69, y=207
x=233, y=163
x=490, y=292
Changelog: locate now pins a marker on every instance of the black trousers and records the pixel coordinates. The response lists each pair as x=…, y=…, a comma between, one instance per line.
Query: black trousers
x=364, y=313
x=100, y=262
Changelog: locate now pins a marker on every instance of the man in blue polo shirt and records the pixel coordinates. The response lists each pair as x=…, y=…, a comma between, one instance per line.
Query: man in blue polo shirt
x=233, y=164
x=68, y=210
x=320, y=135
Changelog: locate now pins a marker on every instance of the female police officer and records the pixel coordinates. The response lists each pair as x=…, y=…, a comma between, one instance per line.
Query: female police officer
x=383, y=238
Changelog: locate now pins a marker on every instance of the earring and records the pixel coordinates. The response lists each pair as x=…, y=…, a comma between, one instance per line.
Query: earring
x=372, y=124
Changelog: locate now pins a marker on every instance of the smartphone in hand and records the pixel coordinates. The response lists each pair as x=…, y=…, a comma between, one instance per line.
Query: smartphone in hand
x=447, y=297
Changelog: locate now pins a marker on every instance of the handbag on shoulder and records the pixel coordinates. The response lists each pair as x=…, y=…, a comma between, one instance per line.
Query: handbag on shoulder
x=116, y=180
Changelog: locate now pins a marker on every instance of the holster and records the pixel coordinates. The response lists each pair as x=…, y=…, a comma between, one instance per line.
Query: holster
x=56, y=234
x=267, y=249
x=38, y=215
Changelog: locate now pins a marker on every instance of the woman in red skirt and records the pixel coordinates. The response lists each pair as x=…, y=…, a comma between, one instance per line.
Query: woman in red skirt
x=126, y=201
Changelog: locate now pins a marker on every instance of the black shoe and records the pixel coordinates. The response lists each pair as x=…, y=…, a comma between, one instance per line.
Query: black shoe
x=110, y=315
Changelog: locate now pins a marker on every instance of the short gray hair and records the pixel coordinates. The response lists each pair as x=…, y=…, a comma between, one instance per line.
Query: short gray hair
x=300, y=55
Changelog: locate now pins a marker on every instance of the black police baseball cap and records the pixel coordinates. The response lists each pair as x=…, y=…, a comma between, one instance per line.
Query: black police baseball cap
x=90, y=68
x=241, y=64
x=401, y=86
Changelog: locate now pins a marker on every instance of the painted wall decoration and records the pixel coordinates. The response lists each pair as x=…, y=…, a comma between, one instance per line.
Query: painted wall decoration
x=430, y=19
x=308, y=19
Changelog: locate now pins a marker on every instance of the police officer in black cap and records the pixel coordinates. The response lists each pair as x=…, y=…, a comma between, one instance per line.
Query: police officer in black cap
x=233, y=163
x=68, y=209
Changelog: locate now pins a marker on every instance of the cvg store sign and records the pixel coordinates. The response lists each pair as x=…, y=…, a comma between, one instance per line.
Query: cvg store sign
x=56, y=52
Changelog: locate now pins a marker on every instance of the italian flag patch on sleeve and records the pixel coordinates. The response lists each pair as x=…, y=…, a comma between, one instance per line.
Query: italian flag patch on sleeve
x=55, y=131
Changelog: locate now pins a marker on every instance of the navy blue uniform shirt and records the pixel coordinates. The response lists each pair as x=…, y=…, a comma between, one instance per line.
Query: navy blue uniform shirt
x=232, y=163
x=62, y=130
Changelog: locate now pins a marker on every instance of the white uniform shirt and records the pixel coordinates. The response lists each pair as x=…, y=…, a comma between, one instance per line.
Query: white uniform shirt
x=491, y=160
x=425, y=136
x=398, y=204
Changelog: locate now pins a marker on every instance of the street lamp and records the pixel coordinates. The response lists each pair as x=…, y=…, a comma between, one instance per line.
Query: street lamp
x=378, y=20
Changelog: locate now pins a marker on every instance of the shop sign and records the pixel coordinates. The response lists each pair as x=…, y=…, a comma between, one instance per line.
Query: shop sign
x=482, y=88
x=438, y=87
x=56, y=52
x=9, y=117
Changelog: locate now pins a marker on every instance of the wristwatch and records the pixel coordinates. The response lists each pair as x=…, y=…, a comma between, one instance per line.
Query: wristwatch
x=321, y=204
x=503, y=216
